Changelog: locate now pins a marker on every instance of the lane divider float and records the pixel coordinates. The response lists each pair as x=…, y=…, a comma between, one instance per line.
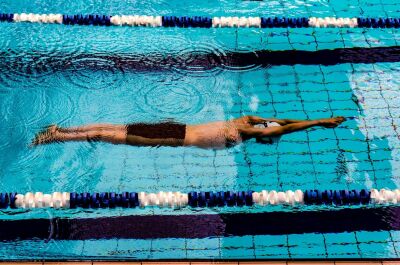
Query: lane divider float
x=198, y=199
x=203, y=21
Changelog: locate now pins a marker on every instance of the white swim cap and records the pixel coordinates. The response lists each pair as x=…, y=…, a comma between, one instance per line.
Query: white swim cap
x=269, y=140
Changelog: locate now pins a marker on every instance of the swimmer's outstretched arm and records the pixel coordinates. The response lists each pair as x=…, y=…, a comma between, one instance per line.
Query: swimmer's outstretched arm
x=291, y=127
x=257, y=119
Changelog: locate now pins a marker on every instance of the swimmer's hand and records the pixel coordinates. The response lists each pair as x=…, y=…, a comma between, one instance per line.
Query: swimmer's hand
x=331, y=122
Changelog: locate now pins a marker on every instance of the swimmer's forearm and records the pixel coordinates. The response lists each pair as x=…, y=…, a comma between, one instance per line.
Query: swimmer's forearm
x=298, y=126
x=279, y=130
x=288, y=121
x=282, y=122
x=256, y=119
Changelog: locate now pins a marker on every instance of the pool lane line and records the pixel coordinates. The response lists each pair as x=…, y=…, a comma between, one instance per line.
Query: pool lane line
x=39, y=62
x=210, y=199
x=202, y=21
x=203, y=225
x=320, y=57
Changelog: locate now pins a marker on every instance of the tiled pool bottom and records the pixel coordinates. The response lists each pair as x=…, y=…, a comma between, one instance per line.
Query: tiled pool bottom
x=198, y=173
x=372, y=149
x=355, y=245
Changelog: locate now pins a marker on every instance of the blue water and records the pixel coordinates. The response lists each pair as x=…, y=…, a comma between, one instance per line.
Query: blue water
x=361, y=153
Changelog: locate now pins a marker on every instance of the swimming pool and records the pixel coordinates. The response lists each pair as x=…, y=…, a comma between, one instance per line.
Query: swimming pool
x=72, y=75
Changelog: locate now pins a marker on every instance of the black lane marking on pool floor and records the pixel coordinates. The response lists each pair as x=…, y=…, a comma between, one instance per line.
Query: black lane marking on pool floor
x=36, y=62
x=203, y=225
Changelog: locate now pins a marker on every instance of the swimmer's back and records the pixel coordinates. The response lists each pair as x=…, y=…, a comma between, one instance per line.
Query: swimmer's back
x=212, y=135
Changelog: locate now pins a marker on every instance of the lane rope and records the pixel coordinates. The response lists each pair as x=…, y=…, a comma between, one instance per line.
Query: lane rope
x=203, y=21
x=194, y=199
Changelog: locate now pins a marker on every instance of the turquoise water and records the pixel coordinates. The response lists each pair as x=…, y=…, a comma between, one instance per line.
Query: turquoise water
x=361, y=153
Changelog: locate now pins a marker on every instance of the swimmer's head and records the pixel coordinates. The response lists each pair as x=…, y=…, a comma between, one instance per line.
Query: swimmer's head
x=267, y=140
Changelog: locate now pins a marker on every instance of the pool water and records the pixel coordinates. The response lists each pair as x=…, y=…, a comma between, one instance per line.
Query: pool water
x=74, y=75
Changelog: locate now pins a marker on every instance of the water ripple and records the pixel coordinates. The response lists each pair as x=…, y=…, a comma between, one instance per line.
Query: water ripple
x=37, y=103
x=12, y=136
x=63, y=106
x=49, y=39
x=75, y=165
x=21, y=66
x=163, y=56
x=171, y=100
x=199, y=59
x=94, y=73
x=234, y=63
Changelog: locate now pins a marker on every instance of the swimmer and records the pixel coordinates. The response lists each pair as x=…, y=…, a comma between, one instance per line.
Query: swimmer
x=216, y=135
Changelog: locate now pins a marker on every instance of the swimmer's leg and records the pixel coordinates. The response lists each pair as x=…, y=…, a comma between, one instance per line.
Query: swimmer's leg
x=93, y=127
x=111, y=134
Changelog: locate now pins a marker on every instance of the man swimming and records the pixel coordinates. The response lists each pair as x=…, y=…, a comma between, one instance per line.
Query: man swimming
x=219, y=134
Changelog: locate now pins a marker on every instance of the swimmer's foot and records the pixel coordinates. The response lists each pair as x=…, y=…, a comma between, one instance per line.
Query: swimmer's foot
x=332, y=122
x=46, y=136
